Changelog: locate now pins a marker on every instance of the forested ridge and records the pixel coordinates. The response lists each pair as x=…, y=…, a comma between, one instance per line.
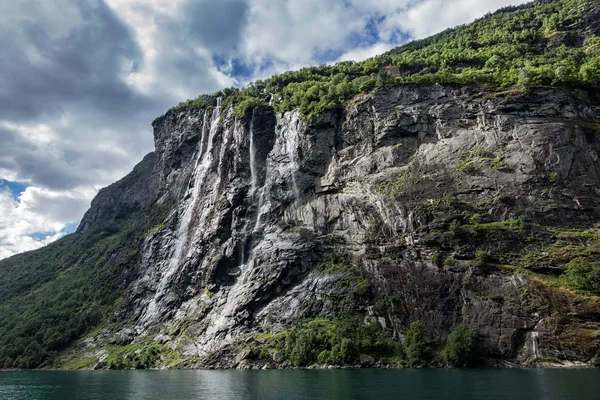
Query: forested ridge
x=543, y=43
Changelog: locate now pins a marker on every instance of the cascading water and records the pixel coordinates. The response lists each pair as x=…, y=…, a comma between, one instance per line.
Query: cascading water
x=291, y=146
x=255, y=194
x=253, y=172
x=203, y=138
x=199, y=177
x=204, y=161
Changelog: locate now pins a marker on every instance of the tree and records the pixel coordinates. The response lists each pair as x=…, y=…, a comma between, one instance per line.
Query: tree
x=461, y=349
x=418, y=347
x=583, y=275
x=590, y=71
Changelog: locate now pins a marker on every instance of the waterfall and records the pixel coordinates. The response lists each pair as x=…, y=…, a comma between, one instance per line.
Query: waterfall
x=204, y=159
x=203, y=138
x=259, y=206
x=271, y=99
x=253, y=174
x=256, y=195
x=291, y=147
x=257, y=192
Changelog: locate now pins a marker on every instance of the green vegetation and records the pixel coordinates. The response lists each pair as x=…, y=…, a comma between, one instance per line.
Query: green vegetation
x=450, y=262
x=52, y=296
x=81, y=288
x=472, y=161
x=418, y=346
x=528, y=45
x=154, y=229
x=77, y=362
x=348, y=275
x=341, y=342
x=338, y=264
x=461, y=349
x=546, y=360
x=482, y=258
x=140, y=356
x=324, y=341
x=574, y=256
x=564, y=257
x=583, y=276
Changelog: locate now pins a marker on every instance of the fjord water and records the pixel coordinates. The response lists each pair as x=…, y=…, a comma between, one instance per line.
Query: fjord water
x=299, y=384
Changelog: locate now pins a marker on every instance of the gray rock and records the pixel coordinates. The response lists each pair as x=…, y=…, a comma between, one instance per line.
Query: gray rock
x=245, y=354
x=366, y=360
x=262, y=201
x=100, y=365
x=278, y=356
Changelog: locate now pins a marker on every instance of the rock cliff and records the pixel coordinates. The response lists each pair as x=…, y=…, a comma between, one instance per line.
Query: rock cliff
x=434, y=203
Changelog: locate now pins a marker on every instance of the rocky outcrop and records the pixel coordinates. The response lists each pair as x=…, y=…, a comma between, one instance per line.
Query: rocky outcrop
x=125, y=197
x=423, y=198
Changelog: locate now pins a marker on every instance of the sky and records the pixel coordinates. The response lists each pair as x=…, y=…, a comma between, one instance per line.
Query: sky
x=82, y=80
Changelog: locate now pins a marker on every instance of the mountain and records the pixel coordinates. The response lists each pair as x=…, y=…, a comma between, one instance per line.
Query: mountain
x=436, y=205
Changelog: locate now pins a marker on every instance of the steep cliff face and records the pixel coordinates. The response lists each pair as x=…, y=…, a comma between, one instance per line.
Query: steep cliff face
x=430, y=203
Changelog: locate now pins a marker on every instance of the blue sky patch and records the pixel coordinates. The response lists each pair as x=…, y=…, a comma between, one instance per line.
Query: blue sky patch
x=41, y=236
x=15, y=188
x=70, y=228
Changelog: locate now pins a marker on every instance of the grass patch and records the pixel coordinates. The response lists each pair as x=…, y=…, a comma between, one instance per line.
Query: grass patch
x=77, y=361
x=142, y=356
x=152, y=230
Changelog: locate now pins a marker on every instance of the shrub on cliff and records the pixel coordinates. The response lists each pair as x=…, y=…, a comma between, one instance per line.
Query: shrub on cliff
x=582, y=275
x=462, y=349
x=417, y=344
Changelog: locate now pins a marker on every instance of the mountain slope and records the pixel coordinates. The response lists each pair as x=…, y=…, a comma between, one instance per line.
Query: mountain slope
x=380, y=209
x=51, y=296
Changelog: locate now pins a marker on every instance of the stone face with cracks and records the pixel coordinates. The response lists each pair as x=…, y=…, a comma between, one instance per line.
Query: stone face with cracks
x=262, y=201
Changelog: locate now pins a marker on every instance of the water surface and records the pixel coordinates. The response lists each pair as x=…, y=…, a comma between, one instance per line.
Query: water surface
x=297, y=384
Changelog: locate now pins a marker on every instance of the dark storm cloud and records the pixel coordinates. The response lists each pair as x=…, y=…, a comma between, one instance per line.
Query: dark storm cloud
x=50, y=60
x=51, y=166
x=216, y=25
x=11, y=143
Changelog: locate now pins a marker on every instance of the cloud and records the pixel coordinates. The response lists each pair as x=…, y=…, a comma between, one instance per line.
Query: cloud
x=180, y=43
x=216, y=25
x=63, y=53
x=82, y=80
x=362, y=53
x=37, y=211
x=420, y=19
x=295, y=33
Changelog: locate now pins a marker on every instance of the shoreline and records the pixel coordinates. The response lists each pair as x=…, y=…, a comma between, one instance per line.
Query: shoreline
x=556, y=366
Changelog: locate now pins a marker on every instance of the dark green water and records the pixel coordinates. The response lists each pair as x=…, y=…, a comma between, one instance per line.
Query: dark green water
x=295, y=385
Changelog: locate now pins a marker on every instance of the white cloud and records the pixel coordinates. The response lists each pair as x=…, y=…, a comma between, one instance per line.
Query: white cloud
x=82, y=81
x=362, y=53
x=294, y=34
x=37, y=211
x=427, y=17
x=153, y=22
